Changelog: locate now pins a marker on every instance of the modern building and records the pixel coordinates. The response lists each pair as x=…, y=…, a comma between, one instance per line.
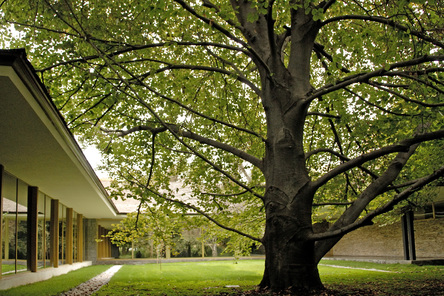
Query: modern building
x=53, y=206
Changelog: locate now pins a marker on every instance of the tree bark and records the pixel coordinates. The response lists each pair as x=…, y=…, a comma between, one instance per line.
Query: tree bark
x=290, y=262
x=290, y=266
x=290, y=258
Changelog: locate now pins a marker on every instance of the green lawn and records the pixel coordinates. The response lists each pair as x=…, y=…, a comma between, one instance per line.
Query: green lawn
x=212, y=278
x=58, y=284
x=184, y=278
x=11, y=267
x=399, y=279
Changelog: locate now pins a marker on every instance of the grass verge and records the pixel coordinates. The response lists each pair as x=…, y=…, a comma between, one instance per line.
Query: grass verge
x=382, y=279
x=58, y=284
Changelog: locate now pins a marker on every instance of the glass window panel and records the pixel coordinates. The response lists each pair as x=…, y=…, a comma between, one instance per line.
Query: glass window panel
x=14, y=238
x=22, y=225
x=62, y=233
x=8, y=230
x=44, y=210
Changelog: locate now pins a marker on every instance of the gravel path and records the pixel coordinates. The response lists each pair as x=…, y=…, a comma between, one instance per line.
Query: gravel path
x=348, y=267
x=94, y=284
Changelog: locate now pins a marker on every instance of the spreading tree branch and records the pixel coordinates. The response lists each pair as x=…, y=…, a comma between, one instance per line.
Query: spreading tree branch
x=221, y=29
x=375, y=105
x=111, y=64
x=367, y=219
x=403, y=145
x=193, y=136
x=364, y=77
x=196, y=209
x=133, y=48
x=404, y=97
x=238, y=76
x=385, y=21
x=140, y=82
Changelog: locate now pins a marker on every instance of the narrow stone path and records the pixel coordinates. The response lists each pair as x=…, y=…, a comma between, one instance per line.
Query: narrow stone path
x=94, y=284
x=348, y=267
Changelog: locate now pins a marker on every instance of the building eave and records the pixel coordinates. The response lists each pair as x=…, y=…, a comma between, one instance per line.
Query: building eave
x=38, y=122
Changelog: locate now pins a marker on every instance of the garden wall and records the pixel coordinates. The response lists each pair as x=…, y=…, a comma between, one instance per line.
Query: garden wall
x=376, y=241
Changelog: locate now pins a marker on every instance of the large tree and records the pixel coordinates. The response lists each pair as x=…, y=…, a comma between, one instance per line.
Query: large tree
x=282, y=108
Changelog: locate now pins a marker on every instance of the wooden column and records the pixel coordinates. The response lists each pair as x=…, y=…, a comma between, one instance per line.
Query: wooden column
x=104, y=245
x=408, y=236
x=32, y=222
x=2, y=169
x=69, y=236
x=108, y=246
x=54, y=233
x=101, y=246
x=79, y=237
x=411, y=235
x=405, y=241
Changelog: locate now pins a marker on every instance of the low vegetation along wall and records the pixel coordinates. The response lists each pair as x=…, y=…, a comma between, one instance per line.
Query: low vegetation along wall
x=378, y=241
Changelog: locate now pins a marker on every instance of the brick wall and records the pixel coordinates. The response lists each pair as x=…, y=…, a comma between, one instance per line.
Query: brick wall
x=387, y=240
x=429, y=238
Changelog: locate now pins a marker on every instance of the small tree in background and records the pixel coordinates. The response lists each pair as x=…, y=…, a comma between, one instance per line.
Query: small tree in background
x=151, y=229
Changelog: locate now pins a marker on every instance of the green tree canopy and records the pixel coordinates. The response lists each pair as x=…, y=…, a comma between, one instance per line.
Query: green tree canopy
x=267, y=110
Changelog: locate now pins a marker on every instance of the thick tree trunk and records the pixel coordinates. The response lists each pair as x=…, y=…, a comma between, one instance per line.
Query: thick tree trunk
x=290, y=263
x=290, y=259
x=290, y=266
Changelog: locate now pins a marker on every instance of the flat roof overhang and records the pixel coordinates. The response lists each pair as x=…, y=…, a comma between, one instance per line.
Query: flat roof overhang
x=37, y=147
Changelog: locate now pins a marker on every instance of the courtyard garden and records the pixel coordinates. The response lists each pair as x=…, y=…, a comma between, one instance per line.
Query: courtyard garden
x=241, y=277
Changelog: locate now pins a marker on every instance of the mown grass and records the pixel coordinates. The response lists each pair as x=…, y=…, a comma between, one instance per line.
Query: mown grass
x=241, y=278
x=185, y=278
x=399, y=279
x=58, y=284
x=11, y=267
x=212, y=278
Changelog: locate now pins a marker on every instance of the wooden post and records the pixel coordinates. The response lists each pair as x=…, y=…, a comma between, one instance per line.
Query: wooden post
x=69, y=236
x=99, y=243
x=32, y=222
x=167, y=252
x=203, y=243
x=433, y=210
x=405, y=240
x=408, y=236
x=108, y=242
x=54, y=233
x=411, y=235
x=79, y=237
